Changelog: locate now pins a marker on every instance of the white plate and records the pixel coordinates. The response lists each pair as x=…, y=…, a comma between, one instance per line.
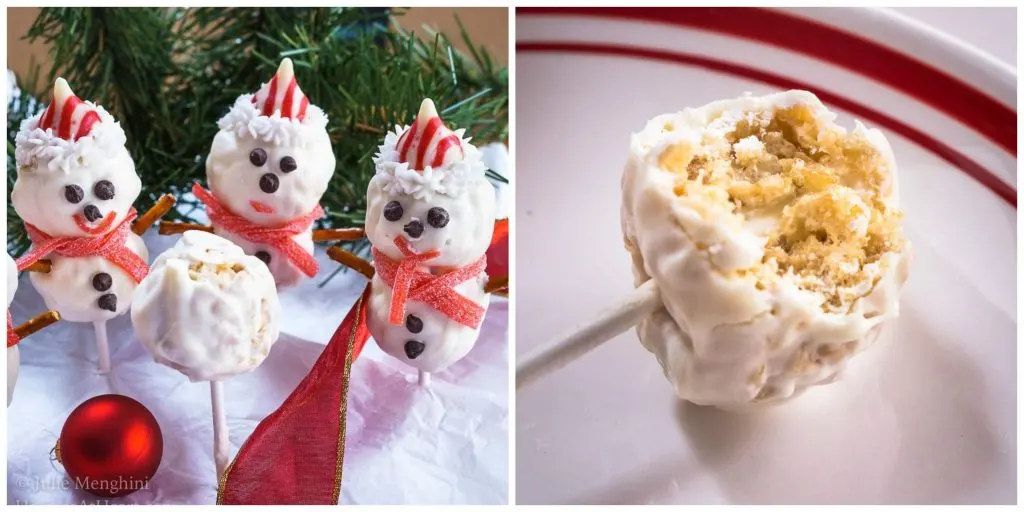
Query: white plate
x=928, y=415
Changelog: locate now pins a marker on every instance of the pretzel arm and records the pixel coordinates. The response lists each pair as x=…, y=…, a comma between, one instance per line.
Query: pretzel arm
x=351, y=261
x=339, y=234
x=37, y=323
x=497, y=284
x=41, y=266
x=177, y=228
x=146, y=221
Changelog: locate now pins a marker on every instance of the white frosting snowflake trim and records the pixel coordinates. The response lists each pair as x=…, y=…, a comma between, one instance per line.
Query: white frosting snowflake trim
x=245, y=120
x=397, y=178
x=36, y=148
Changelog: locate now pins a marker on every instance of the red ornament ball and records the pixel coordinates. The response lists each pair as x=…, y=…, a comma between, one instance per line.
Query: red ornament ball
x=110, y=446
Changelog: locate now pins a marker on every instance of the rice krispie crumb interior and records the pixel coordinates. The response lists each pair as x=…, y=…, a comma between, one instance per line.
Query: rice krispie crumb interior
x=815, y=193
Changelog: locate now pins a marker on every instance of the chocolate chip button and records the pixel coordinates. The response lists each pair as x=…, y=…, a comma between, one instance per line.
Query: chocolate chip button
x=393, y=211
x=102, y=281
x=437, y=217
x=108, y=301
x=263, y=256
x=104, y=190
x=414, y=348
x=288, y=164
x=92, y=213
x=74, y=194
x=269, y=183
x=414, y=324
x=258, y=157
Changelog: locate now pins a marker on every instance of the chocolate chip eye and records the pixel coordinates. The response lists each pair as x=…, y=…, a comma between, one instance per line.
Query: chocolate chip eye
x=258, y=157
x=437, y=217
x=74, y=194
x=288, y=164
x=104, y=190
x=393, y=211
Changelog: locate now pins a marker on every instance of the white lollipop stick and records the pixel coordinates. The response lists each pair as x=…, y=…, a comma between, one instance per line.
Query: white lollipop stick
x=423, y=378
x=220, y=428
x=102, y=347
x=553, y=356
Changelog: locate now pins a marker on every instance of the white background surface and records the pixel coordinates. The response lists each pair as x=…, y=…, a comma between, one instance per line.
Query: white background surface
x=992, y=29
x=446, y=444
x=926, y=416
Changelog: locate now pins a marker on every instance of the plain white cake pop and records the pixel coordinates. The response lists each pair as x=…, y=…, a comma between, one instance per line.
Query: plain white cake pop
x=207, y=309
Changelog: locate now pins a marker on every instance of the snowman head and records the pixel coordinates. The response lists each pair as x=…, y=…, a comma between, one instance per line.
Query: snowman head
x=75, y=176
x=271, y=161
x=430, y=188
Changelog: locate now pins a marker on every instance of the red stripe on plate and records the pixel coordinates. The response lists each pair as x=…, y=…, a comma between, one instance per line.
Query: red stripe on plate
x=972, y=168
x=927, y=84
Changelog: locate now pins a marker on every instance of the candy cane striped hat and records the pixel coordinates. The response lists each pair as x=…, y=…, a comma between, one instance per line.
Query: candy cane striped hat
x=282, y=94
x=428, y=141
x=69, y=117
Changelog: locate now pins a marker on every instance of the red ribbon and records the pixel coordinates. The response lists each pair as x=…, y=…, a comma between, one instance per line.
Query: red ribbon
x=12, y=337
x=280, y=237
x=112, y=246
x=409, y=281
x=296, y=454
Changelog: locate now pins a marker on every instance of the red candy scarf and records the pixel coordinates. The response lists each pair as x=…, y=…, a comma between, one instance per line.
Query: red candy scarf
x=111, y=246
x=280, y=237
x=408, y=281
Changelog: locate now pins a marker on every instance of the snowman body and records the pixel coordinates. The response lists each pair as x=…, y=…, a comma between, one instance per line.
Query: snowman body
x=76, y=188
x=75, y=288
x=447, y=211
x=425, y=339
x=269, y=165
x=13, y=355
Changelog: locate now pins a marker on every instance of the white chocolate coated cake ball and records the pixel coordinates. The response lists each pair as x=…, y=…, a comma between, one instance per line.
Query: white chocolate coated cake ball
x=774, y=236
x=207, y=309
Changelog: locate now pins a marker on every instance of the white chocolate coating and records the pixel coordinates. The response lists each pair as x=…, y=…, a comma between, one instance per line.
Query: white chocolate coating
x=13, y=354
x=68, y=287
x=445, y=341
x=734, y=332
x=207, y=309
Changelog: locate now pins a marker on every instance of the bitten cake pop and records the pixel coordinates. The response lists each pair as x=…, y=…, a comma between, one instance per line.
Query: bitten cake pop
x=430, y=219
x=16, y=334
x=268, y=167
x=767, y=247
x=209, y=311
x=75, y=188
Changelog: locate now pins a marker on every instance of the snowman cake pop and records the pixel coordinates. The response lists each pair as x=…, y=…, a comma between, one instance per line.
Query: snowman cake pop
x=268, y=167
x=430, y=219
x=75, y=187
x=16, y=334
x=209, y=311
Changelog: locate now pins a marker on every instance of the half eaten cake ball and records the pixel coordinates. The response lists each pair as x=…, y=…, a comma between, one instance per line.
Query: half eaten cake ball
x=207, y=309
x=774, y=237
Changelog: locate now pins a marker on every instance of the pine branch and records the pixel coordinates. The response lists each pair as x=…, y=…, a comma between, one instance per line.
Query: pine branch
x=168, y=74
